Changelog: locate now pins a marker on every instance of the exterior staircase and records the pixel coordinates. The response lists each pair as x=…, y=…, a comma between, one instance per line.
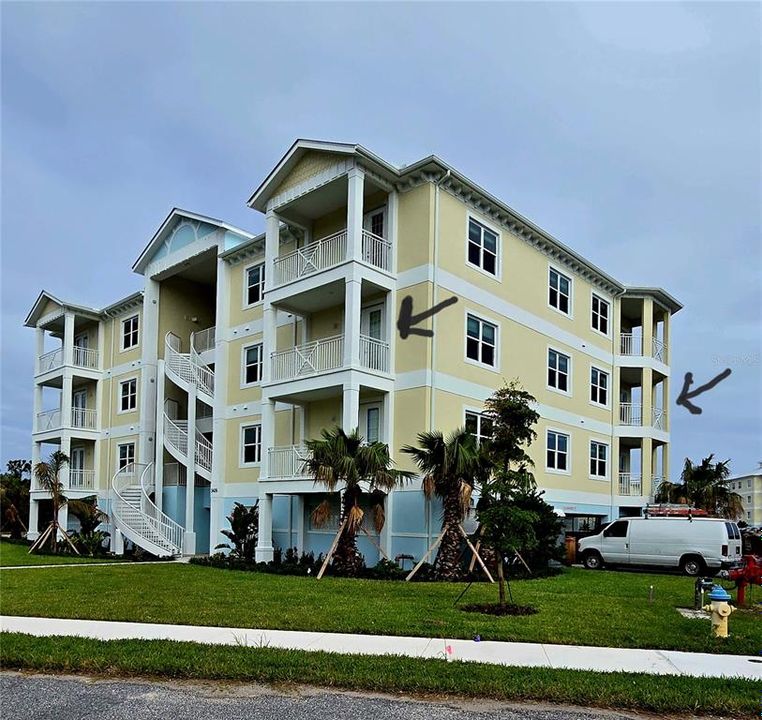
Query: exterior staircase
x=188, y=369
x=176, y=442
x=137, y=516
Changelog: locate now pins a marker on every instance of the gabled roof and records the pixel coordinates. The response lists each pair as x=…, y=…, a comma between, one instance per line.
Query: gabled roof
x=96, y=314
x=160, y=235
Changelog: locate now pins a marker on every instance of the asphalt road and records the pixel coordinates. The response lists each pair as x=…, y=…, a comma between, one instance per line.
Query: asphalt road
x=44, y=697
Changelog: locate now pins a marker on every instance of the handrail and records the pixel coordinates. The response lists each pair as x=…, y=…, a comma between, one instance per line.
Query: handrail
x=81, y=479
x=176, y=434
x=630, y=484
x=49, y=420
x=169, y=530
x=630, y=344
x=374, y=353
x=630, y=413
x=203, y=451
x=288, y=461
x=50, y=360
x=318, y=255
x=188, y=366
x=85, y=357
x=85, y=418
x=376, y=250
x=658, y=350
x=309, y=359
x=204, y=340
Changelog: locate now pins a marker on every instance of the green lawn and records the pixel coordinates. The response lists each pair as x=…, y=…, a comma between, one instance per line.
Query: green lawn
x=164, y=659
x=578, y=607
x=13, y=554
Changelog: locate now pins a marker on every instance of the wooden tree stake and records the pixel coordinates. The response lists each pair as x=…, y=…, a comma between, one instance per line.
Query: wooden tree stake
x=428, y=552
x=373, y=540
x=476, y=554
x=332, y=549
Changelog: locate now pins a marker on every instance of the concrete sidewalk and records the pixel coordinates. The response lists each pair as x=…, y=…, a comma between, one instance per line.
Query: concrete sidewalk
x=602, y=659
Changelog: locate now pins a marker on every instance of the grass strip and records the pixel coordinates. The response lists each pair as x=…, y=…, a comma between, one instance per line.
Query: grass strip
x=391, y=674
x=16, y=553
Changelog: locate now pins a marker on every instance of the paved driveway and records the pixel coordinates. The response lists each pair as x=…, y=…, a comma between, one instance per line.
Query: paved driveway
x=44, y=697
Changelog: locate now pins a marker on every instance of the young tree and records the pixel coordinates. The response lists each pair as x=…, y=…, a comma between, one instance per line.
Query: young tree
x=341, y=459
x=451, y=467
x=704, y=486
x=47, y=475
x=90, y=517
x=244, y=524
x=14, y=497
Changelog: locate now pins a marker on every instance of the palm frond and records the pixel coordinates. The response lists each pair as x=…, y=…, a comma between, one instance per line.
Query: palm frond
x=354, y=518
x=321, y=514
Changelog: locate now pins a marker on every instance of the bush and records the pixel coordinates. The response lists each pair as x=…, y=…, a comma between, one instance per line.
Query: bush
x=385, y=570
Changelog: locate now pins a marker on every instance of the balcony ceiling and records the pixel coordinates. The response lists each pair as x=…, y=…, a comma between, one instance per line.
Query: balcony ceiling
x=323, y=297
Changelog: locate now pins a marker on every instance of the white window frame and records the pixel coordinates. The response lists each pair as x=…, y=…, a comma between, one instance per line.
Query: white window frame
x=122, y=382
x=595, y=403
x=122, y=346
x=119, y=447
x=607, y=459
x=250, y=266
x=594, y=295
x=242, y=462
x=568, y=436
x=480, y=415
x=481, y=319
x=569, y=373
x=244, y=348
x=498, y=274
x=553, y=268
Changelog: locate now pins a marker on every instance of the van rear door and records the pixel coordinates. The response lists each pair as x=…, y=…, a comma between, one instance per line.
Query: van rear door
x=615, y=545
x=735, y=545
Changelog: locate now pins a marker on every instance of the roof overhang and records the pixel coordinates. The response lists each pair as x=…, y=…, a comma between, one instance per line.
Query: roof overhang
x=165, y=228
x=660, y=295
x=42, y=300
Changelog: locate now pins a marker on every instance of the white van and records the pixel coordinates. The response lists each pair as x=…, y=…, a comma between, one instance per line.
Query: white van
x=694, y=545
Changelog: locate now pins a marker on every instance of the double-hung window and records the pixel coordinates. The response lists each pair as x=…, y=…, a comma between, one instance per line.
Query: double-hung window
x=252, y=364
x=599, y=386
x=479, y=426
x=255, y=284
x=557, y=455
x=599, y=455
x=126, y=455
x=559, y=291
x=251, y=444
x=558, y=370
x=130, y=332
x=128, y=395
x=482, y=247
x=481, y=341
x=600, y=315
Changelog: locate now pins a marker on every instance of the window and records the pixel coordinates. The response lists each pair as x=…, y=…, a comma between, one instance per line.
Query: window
x=255, y=284
x=373, y=421
x=128, y=395
x=600, y=316
x=479, y=426
x=251, y=444
x=480, y=340
x=130, y=332
x=617, y=529
x=126, y=455
x=599, y=453
x=599, y=386
x=482, y=247
x=252, y=364
x=559, y=291
x=557, y=451
x=558, y=370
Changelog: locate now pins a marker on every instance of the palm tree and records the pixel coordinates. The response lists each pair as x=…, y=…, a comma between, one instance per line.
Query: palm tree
x=341, y=459
x=48, y=479
x=451, y=466
x=704, y=486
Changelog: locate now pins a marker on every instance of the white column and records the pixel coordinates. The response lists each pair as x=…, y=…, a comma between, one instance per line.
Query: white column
x=298, y=504
x=159, y=467
x=352, y=311
x=190, y=484
x=66, y=449
x=269, y=339
x=350, y=408
x=385, y=540
x=267, y=421
x=272, y=247
x=34, y=518
x=37, y=404
x=264, y=551
x=355, y=189
x=392, y=216
x=40, y=348
x=150, y=353
x=68, y=339
x=63, y=519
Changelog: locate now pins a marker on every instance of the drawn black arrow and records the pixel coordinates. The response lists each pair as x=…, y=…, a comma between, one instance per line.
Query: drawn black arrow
x=406, y=319
x=684, y=397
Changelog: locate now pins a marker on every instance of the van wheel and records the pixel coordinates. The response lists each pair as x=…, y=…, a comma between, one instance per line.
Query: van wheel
x=692, y=565
x=592, y=561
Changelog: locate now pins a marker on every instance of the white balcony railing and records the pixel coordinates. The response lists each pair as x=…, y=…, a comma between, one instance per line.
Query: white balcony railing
x=86, y=358
x=659, y=418
x=81, y=479
x=376, y=251
x=48, y=420
x=630, y=413
x=630, y=484
x=84, y=418
x=319, y=255
x=630, y=344
x=287, y=461
x=658, y=350
x=374, y=354
x=308, y=359
x=203, y=452
x=50, y=360
x=204, y=340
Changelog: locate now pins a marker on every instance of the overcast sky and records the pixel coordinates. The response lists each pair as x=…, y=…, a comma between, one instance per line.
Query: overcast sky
x=630, y=132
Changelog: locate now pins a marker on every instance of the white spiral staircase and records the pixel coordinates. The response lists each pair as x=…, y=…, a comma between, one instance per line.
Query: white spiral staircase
x=176, y=442
x=137, y=516
x=188, y=369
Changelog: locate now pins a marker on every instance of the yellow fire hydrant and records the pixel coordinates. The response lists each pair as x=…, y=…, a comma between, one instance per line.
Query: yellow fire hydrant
x=720, y=608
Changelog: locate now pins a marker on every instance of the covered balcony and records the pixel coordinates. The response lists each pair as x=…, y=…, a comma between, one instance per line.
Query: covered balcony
x=80, y=418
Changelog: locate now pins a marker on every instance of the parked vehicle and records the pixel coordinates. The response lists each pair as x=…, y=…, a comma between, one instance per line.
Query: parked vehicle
x=695, y=545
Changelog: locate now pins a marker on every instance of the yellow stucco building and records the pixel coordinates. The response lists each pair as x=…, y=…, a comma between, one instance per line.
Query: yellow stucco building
x=201, y=390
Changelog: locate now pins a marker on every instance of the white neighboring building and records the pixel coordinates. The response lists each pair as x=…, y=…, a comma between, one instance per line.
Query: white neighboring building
x=749, y=487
